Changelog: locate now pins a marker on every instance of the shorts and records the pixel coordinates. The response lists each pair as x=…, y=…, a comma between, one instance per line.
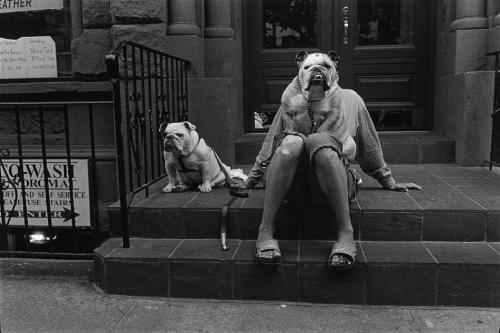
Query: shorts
x=305, y=186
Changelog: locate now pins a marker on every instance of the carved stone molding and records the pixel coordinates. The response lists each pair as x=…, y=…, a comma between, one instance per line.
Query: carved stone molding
x=470, y=14
x=182, y=18
x=218, y=19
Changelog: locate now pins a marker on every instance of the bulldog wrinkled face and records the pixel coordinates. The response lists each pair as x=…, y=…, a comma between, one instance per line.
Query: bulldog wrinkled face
x=317, y=69
x=176, y=136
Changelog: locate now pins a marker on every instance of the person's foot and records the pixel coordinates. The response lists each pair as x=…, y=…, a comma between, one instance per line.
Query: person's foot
x=267, y=249
x=343, y=254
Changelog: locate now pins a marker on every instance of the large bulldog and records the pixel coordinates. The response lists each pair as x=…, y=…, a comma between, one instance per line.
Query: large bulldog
x=315, y=108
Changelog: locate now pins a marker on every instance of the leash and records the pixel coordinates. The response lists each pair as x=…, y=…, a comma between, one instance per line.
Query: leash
x=235, y=194
x=311, y=117
x=240, y=193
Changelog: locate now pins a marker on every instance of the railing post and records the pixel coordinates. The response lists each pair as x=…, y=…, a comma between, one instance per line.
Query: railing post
x=113, y=71
x=5, y=247
x=495, y=137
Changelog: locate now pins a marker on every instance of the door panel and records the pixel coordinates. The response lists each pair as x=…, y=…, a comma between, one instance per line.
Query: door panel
x=269, y=62
x=385, y=59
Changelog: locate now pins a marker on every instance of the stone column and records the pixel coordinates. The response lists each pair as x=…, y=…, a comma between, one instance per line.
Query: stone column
x=76, y=18
x=184, y=34
x=182, y=18
x=469, y=14
x=463, y=91
x=223, y=60
x=218, y=19
x=494, y=32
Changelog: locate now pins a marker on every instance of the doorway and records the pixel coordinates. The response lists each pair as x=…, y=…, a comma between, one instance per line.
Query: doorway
x=385, y=48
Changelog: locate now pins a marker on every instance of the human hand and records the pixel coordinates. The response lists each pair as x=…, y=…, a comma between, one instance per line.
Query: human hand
x=238, y=186
x=238, y=189
x=404, y=187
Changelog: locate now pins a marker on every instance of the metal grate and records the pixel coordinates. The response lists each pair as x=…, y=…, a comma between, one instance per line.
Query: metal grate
x=150, y=87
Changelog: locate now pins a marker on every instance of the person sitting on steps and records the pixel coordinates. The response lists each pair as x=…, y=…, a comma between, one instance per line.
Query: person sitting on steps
x=318, y=130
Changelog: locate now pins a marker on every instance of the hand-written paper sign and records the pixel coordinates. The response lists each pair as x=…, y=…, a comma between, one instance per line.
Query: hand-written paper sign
x=59, y=193
x=10, y=6
x=28, y=57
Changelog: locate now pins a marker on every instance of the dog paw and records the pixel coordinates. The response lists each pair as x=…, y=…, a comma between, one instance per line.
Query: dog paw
x=169, y=188
x=180, y=188
x=205, y=187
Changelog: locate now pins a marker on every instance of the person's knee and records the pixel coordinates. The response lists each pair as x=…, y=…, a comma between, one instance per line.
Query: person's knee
x=326, y=157
x=291, y=146
x=316, y=139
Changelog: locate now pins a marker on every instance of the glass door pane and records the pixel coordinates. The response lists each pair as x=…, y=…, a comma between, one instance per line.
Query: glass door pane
x=385, y=22
x=289, y=24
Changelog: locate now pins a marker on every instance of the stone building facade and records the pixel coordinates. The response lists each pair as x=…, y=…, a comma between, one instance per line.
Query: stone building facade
x=466, y=30
x=213, y=35
x=210, y=34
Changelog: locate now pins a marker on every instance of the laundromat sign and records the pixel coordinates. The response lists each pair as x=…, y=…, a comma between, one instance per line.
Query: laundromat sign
x=59, y=184
x=11, y=6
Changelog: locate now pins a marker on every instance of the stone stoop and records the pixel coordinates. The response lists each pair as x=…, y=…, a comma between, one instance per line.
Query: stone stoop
x=438, y=246
x=455, y=204
x=393, y=273
x=398, y=147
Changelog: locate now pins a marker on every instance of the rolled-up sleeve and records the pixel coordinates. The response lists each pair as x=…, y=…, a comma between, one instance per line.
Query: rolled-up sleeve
x=256, y=174
x=369, y=150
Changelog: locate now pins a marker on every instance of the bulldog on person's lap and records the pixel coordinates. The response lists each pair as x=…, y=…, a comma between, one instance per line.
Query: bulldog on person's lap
x=318, y=131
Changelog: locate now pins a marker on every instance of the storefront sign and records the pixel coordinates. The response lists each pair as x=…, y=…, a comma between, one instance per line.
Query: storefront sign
x=59, y=192
x=28, y=57
x=10, y=6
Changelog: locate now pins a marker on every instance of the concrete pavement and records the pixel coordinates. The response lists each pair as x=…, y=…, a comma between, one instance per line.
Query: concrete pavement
x=50, y=304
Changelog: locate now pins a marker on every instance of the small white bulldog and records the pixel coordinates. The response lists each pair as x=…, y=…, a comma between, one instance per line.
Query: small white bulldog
x=189, y=161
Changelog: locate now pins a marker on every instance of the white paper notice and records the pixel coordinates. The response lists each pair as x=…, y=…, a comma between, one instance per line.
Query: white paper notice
x=28, y=57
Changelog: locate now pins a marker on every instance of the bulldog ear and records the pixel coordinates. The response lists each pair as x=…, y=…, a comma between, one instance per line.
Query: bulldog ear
x=189, y=126
x=335, y=58
x=162, y=128
x=301, y=55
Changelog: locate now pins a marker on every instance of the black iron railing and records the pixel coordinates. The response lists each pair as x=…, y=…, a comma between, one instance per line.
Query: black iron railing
x=150, y=87
x=495, y=135
x=48, y=185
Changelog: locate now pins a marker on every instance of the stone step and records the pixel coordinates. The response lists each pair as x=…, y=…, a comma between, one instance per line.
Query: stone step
x=455, y=204
x=402, y=273
x=398, y=147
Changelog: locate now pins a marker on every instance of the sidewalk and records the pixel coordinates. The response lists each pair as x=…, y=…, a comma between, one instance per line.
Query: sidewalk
x=69, y=305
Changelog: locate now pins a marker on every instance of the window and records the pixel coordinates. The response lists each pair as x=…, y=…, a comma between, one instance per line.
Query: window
x=53, y=22
x=385, y=22
x=289, y=23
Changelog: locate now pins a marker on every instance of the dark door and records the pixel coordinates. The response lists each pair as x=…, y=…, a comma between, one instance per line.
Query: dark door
x=384, y=45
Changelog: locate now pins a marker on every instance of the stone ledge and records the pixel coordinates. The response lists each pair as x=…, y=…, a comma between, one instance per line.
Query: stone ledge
x=398, y=147
x=409, y=273
x=47, y=268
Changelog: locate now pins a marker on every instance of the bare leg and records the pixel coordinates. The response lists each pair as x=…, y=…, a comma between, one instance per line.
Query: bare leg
x=279, y=179
x=332, y=178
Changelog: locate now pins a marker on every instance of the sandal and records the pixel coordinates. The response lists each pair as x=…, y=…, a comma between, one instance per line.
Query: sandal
x=268, y=245
x=346, y=250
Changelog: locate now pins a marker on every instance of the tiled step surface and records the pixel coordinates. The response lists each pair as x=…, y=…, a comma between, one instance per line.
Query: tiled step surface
x=411, y=273
x=455, y=204
x=398, y=147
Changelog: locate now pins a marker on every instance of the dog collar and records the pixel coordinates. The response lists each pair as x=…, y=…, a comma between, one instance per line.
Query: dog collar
x=197, y=143
x=181, y=162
